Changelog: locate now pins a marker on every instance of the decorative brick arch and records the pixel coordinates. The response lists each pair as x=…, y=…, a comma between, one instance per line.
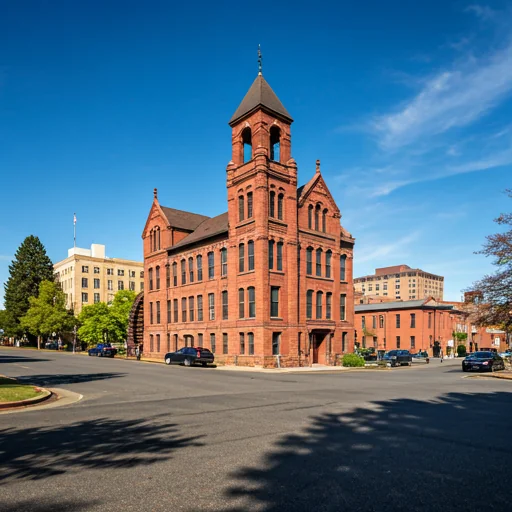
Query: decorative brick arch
x=136, y=324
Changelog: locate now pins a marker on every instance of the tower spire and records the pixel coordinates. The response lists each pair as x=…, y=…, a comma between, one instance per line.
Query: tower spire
x=259, y=60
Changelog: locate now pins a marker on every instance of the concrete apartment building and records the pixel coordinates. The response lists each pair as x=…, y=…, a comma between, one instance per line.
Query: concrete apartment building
x=87, y=276
x=267, y=283
x=400, y=282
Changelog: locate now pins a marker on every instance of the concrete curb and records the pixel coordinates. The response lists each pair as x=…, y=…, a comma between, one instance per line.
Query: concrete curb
x=506, y=376
x=29, y=401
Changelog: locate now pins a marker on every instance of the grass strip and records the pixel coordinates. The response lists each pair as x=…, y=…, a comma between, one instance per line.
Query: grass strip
x=12, y=391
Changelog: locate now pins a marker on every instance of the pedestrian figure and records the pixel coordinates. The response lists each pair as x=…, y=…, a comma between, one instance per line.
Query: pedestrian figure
x=441, y=356
x=137, y=352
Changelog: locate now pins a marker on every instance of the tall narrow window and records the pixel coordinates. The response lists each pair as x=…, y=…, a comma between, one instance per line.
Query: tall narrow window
x=225, y=347
x=381, y=321
x=241, y=258
x=413, y=342
x=249, y=205
x=317, y=217
x=199, y=265
x=211, y=265
x=374, y=322
x=211, y=306
x=343, y=312
x=250, y=343
x=157, y=311
x=212, y=343
x=175, y=310
x=271, y=244
x=251, y=299
x=225, y=308
x=184, y=309
x=191, y=270
x=191, y=309
x=319, y=300
x=168, y=342
x=309, y=261
x=344, y=342
x=280, y=202
x=167, y=275
x=310, y=216
x=398, y=342
x=241, y=303
x=328, y=305
x=199, y=308
x=247, y=142
x=168, y=311
x=272, y=204
x=274, y=301
x=413, y=320
x=150, y=277
x=276, y=343
x=328, y=257
x=151, y=313
x=397, y=321
x=151, y=343
x=343, y=267
x=250, y=255
x=183, y=264
x=223, y=262
x=319, y=262
x=275, y=137
x=242, y=343
x=279, y=255
x=175, y=274
x=324, y=221
x=241, y=208
x=309, y=304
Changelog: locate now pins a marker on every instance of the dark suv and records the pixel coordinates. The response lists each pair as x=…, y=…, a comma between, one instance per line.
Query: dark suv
x=398, y=357
x=190, y=355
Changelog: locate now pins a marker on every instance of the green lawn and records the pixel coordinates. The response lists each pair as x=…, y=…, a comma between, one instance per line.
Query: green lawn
x=11, y=391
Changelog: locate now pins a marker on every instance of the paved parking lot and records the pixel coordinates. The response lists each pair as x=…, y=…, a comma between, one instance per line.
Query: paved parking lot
x=158, y=438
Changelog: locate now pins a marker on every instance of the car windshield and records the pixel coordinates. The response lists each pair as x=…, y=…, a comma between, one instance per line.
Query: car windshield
x=482, y=354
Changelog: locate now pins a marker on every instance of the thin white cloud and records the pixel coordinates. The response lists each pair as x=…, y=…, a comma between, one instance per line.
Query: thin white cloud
x=483, y=12
x=452, y=98
x=395, y=249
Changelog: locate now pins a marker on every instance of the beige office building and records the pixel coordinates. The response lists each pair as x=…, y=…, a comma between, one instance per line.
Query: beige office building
x=400, y=282
x=87, y=276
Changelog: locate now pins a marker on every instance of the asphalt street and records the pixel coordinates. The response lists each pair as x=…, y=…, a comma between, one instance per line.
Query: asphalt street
x=147, y=437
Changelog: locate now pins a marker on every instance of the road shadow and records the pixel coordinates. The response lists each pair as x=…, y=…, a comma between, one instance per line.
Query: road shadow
x=43, y=505
x=42, y=452
x=21, y=359
x=399, y=455
x=51, y=380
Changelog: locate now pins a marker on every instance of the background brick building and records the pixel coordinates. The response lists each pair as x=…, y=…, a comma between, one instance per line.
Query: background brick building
x=270, y=277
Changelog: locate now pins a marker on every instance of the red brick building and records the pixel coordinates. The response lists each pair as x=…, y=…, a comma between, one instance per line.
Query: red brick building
x=414, y=325
x=270, y=277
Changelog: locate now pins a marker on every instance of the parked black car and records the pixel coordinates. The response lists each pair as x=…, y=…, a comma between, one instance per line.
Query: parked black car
x=190, y=355
x=483, y=361
x=398, y=357
x=51, y=345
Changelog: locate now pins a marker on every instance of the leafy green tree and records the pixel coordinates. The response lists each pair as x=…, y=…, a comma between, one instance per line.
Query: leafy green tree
x=31, y=266
x=47, y=313
x=101, y=322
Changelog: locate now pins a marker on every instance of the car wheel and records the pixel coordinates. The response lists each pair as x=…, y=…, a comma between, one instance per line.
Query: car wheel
x=168, y=360
x=204, y=364
x=187, y=362
x=464, y=369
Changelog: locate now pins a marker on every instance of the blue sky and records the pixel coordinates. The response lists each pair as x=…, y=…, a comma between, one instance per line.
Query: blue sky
x=407, y=104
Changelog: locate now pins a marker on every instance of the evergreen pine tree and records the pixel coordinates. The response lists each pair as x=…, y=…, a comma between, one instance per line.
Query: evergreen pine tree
x=30, y=266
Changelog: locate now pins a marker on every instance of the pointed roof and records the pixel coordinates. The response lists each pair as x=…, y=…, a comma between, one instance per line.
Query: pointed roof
x=259, y=95
x=180, y=219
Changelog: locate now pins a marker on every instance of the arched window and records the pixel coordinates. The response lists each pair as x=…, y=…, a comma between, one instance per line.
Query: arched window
x=241, y=303
x=249, y=205
x=191, y=270
x=275, y=146
x=272, y=204
x=317, y=217
x=280, y=199
x=319, y=262
x=157, y=278
x=309, y=261
x=157, y=238
x=250, y=255
x=279, y=255
x=309, y=304
x=247, y=142
x=175, y=274
x=251, y=298
x=319, y=299
x=241, y=208
x=183, y=264
x=241, y=258
x=310, y=216
x=223, y=262
x=271, y=245
x=328, y=257
x=343, y=267
x=151, y=241
x=150, y=276
x=167, y=275
x=328, y=305
x=199, y=265
x=324, y=221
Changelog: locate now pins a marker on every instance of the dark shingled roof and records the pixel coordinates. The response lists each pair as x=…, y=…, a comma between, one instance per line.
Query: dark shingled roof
x=260, y=94
x=207, y=229
x=183, y=220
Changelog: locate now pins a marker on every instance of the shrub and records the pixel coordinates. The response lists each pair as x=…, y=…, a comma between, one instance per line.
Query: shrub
x=461, y=350
x=352, y=360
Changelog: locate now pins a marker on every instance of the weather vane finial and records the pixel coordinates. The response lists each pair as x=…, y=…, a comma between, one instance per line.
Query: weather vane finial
x=259, y=60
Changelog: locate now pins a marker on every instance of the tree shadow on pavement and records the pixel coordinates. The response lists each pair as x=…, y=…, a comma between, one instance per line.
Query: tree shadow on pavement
x=39, y=453
x=42, y=505
x=21, y=359
x=51, y=380
x=451, y=454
